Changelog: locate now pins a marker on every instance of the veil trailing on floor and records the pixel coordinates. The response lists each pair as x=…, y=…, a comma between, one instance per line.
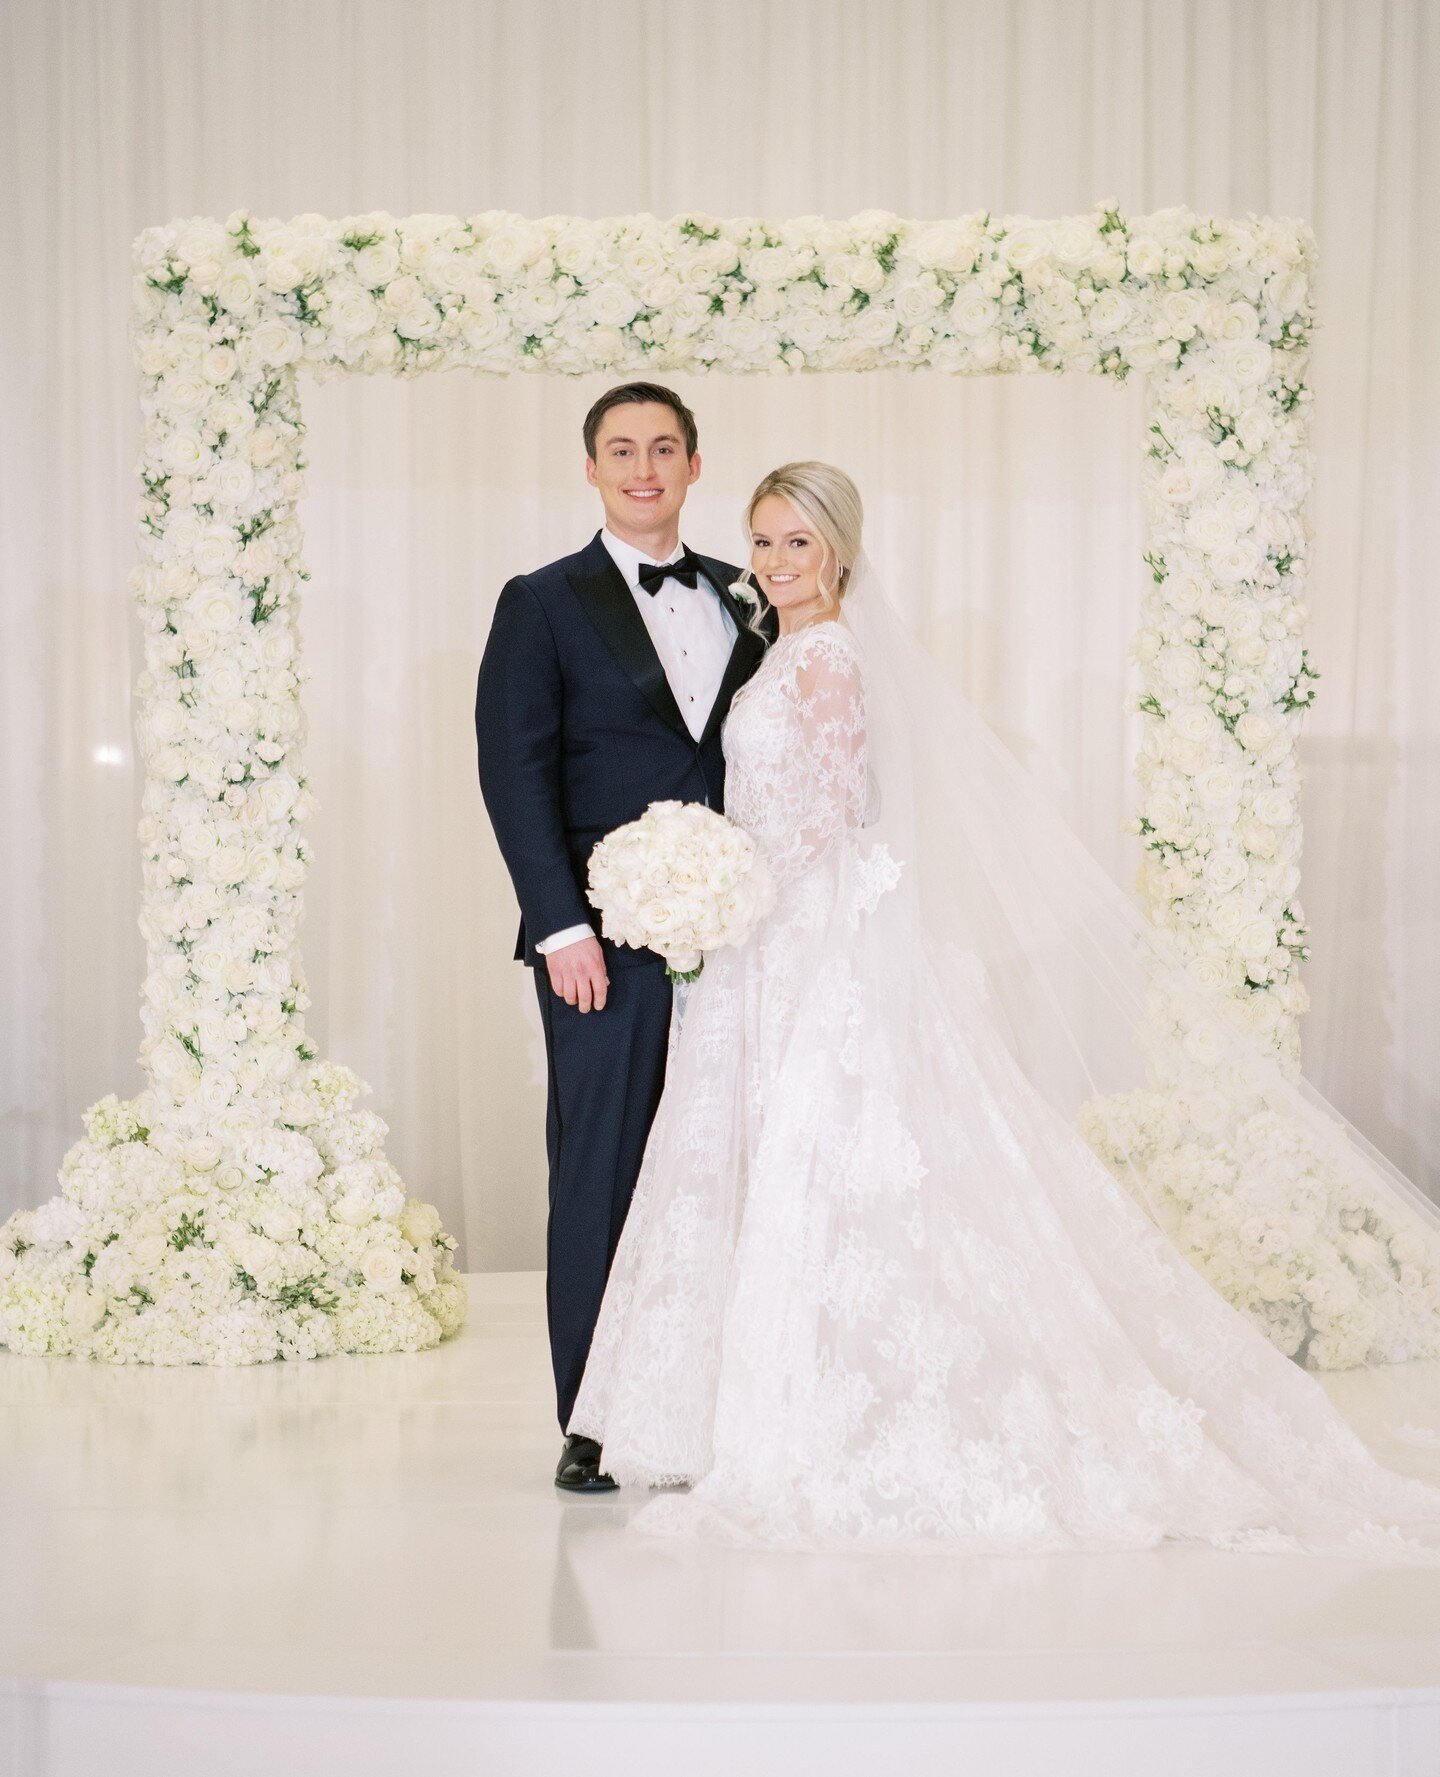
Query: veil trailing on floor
x=1279, y=1201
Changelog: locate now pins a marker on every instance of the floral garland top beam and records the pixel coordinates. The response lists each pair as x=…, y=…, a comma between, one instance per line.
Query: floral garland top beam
x=500, y=292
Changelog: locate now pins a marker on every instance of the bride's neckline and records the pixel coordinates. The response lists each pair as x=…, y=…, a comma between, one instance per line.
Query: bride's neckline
x=793, y=635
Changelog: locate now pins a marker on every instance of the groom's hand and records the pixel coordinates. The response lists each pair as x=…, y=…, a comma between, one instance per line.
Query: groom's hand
x=577, y=973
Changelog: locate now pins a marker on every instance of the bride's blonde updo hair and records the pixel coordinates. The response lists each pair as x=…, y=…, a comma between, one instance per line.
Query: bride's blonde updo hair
x=829, y=502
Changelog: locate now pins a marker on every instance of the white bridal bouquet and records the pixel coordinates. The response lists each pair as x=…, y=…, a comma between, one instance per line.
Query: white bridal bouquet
x=681, y=880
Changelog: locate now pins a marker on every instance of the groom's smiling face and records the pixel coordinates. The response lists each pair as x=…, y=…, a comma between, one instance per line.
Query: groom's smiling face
x=643, y=474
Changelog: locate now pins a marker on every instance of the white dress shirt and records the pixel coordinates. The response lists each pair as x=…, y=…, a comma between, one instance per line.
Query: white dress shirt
x=692, y=633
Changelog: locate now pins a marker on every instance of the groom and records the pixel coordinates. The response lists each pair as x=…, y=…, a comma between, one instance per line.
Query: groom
x=602, y=688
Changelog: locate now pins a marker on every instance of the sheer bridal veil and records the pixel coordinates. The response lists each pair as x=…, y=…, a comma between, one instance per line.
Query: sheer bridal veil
x=1280, y=1202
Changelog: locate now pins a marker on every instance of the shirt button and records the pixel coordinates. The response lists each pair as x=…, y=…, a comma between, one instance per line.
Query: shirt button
x=692, y=700
x=685, y=651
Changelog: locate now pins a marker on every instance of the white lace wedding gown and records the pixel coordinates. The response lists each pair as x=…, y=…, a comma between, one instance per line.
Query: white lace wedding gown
x=873, y=1290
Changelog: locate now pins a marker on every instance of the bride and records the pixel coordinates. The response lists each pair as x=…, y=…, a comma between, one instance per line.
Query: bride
x=895, y=1271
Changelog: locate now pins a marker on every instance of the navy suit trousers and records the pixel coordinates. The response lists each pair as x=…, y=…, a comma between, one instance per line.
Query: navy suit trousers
x=606, y=1072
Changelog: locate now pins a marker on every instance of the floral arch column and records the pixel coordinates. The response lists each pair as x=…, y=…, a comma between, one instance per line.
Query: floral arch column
x=241, y=1208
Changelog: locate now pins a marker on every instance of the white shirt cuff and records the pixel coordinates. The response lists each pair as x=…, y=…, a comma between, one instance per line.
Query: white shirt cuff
x=558, y=940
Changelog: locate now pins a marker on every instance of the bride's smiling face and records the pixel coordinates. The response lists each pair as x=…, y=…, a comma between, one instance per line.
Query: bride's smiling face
x=787, y=558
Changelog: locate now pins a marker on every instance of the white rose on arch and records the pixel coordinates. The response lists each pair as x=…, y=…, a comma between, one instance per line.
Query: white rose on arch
x=381, y=1268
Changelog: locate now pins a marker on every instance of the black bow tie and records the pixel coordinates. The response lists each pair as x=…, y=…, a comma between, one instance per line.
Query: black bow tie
x=653, y=575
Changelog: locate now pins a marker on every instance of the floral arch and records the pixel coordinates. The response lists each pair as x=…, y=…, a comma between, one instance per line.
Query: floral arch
x=241, y=1207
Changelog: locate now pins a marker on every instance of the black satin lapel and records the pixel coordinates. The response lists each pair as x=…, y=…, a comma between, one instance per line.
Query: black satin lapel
x=745, y=652
x=740, y=613
x=610, y=605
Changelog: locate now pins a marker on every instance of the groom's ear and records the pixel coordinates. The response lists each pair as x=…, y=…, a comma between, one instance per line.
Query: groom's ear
x=590, y=471
x=695, y=467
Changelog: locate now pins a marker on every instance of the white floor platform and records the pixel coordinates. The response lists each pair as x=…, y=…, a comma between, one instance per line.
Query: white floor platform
x=362, y=1565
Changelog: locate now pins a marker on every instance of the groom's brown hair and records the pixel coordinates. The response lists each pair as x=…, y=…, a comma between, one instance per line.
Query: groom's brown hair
x=625, y=393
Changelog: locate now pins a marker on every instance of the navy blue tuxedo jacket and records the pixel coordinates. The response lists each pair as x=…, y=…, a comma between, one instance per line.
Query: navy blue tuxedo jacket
x=578, y=731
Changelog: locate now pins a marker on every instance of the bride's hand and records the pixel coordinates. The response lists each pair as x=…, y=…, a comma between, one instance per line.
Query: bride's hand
x=577, y=973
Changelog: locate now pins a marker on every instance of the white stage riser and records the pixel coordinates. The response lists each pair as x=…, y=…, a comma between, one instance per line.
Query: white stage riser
x=363, y=1566
x=73, y=1730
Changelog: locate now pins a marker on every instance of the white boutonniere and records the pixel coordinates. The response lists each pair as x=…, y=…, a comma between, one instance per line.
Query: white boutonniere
x=744, y=591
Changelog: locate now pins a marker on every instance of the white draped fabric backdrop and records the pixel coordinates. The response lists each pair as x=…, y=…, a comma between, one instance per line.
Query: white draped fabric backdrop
x=1004, y=509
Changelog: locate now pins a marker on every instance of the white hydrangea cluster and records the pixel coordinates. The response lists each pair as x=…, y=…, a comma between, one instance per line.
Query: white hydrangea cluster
x=246, y=1243
x=680, y=880
x=1216, y=313
x=1278, y=1225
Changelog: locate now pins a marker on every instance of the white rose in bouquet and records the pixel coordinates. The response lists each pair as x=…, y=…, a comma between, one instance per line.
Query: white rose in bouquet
x=680, y=880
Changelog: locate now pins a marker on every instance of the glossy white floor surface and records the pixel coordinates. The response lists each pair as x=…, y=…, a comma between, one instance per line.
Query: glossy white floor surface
x=361, y=1564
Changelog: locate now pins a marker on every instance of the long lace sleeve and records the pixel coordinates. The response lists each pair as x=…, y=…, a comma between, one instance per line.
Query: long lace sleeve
x=829, y=780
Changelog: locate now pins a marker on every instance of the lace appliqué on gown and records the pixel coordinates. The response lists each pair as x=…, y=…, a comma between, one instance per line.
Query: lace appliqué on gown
x=876, y=873
x=872, y=1290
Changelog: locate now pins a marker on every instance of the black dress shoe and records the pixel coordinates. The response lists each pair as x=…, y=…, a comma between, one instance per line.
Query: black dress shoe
x=579, y=1467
